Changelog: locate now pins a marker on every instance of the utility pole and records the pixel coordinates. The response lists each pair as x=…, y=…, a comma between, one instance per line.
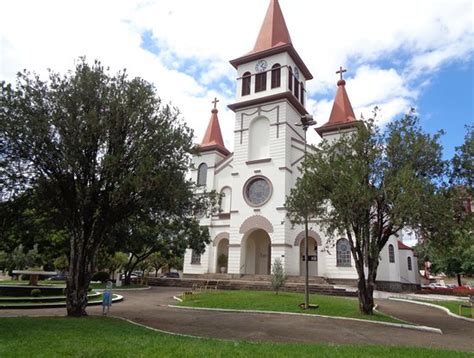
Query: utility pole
x=306, y=122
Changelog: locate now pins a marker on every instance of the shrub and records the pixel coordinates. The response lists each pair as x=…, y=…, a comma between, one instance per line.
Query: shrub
x=278, y=275
x=101, y=276
x=35, y=292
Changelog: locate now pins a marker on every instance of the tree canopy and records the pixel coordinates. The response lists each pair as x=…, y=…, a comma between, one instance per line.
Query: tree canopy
x=103, y=148
x=451, y=250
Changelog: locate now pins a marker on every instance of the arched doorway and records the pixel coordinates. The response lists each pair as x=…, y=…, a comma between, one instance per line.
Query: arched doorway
x=222, y=250
x=313, y=257
x=256, y=253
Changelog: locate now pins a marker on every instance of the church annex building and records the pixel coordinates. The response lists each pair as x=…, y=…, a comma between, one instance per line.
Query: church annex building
x=251, y=228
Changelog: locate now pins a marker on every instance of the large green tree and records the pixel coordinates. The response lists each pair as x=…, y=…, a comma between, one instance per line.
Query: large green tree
x=103, y=146
x=367, y=185
x=452, y=250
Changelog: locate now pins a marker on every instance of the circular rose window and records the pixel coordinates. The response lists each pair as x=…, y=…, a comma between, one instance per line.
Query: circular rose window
x=257, y=191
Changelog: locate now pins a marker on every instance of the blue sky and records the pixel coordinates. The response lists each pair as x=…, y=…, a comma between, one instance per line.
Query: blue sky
x=448, y=104
x=398, y=54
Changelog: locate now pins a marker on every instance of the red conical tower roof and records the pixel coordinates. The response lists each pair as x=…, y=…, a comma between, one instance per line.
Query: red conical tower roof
x=342, y=115
x=273, y=31
x=273, y=38
x=213, y=137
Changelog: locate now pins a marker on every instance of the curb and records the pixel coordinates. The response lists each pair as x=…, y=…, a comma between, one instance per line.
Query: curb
x=454, y=315
x=118, y=298
x=131, y=289
x=398, y=325
x=156, y=329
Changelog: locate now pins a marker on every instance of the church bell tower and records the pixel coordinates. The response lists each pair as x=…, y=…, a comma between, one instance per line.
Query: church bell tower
x=268, y=146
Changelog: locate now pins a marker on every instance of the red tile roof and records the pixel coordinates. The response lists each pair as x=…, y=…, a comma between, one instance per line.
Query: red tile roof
x=213, y=137
x=342, y=114
x=273, y=38
x=273, y=32
x=402, y=246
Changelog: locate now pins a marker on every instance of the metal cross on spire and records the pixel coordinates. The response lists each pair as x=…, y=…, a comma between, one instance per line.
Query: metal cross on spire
x=215, y=102
x=341, y=71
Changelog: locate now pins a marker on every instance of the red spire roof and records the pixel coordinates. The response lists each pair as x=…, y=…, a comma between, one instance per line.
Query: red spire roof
x=273, y=31
x=213, y=137
x=273, y=38
x=402, y=246
x=342, y=114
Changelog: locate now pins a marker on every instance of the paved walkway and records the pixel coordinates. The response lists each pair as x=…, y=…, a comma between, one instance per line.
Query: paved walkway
x=151, y=308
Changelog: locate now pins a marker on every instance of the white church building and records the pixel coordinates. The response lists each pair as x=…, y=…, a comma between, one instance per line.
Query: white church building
x=251, y=227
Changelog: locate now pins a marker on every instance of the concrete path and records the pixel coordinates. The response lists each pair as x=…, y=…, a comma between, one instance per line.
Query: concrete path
x=151, y=308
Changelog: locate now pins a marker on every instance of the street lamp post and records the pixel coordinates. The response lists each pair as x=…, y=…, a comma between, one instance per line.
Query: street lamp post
x=306, y=122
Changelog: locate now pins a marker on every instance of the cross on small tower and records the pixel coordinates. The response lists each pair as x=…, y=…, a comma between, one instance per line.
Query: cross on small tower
x=215, y=102
x=341, y=71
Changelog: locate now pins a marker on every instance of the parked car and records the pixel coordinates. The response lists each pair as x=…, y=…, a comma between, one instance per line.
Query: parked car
x=132, y=276
x=170, y=275
x=59, y=277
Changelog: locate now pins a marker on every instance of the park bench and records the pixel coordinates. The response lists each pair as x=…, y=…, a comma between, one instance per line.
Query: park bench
x=470, y=306
x=211, y=284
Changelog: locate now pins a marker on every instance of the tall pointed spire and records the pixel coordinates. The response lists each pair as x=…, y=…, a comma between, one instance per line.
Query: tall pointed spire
x=213, y=137
x=272, y=39
x=342, y=114
x=273, y=31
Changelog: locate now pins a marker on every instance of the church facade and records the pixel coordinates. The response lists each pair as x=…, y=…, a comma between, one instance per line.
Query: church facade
x=251, y=229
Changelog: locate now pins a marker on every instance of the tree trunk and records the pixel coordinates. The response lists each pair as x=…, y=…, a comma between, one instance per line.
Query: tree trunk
x=366, y=297
x=78, y=280
x=76, y=300
x=458, y=276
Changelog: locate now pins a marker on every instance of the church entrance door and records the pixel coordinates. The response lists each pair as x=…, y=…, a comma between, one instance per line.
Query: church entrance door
x=257, y=253
x=313, y=257
x=222, y=250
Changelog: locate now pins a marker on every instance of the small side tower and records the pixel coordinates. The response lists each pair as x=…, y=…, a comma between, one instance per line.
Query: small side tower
x=342, y=118
x=211, y=151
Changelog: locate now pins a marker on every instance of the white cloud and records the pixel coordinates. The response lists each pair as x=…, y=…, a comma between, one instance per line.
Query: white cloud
x=391, y=49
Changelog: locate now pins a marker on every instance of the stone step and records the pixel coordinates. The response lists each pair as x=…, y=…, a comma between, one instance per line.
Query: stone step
x=198, y=283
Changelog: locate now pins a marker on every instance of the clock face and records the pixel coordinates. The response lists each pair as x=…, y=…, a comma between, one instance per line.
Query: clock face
x=261, y=66
x=257, y=191
x=296, y=73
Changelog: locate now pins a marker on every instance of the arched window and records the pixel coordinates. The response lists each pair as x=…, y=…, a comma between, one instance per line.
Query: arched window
x=202, y=174
x=343, y=253
x=246, y=83
x=297, y=88
x=260, y=82
x=302, y=94
x=409, y=263
x=391, y=253
x=258, y=139
x=290, y=78
x=276, y=75
x=195, y=258
x=226, y=196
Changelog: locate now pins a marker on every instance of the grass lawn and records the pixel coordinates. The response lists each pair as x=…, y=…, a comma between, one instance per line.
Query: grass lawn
x=108, y=337
x=452, y=306
x=283, y=302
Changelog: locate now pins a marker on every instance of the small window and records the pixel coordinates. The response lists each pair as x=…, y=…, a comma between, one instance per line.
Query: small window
x=391, y=253
x=276, y=75
x=409, y=263
x=202, y=174
x=260, y=82
x=302, y=94
x=290, y=78
x=343, y=253
x=195, y=258
x=246, y=83
x=297, y=88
